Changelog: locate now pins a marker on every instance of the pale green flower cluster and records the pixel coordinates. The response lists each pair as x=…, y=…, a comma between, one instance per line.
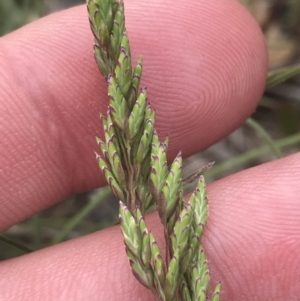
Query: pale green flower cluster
x=134, y=162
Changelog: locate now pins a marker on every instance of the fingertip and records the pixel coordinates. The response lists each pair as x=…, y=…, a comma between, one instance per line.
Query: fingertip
x=205, y=66
x=250, y=236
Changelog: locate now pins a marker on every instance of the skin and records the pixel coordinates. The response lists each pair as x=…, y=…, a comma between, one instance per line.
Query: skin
x=205, y=75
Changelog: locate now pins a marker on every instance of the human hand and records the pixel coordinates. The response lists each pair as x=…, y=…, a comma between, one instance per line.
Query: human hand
x=205, y=75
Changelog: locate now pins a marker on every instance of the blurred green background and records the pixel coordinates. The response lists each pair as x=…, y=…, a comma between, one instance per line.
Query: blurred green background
x=16, y=13
x=272, y=132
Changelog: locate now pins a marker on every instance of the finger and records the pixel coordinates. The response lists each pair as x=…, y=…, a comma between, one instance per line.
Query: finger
x=252, y=242
x=253, y=236
x=204, y=78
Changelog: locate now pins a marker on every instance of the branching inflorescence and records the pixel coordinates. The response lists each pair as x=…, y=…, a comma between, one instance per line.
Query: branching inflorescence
x=134, y=163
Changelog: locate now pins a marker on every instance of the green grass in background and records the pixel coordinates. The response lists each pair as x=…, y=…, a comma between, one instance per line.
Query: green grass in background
x=16, y=13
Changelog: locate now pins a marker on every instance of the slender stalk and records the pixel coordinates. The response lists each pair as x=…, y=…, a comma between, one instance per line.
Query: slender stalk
x=252, y=154
x=15, y=244
x=77, y=218
x=265, y=135
x=36, y=225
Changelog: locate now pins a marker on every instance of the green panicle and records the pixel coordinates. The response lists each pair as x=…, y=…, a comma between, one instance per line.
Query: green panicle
x=193, y=249
x=172, y=277
x=117, y=103
x=118, y=169
x=103, y=33
x=181, y=232
x=110, y=133
x=146, y=248
x=135, y=82
x=166, y=144
x=134, y=233
x=130, y=230
x=101, y=61
x=200, y=276
x=172, y=186
x=106, y=20
x=134, y=163
x=184, y=291
x=198, y=200
x=216, y=293
x=137, y=115
x=102, y=147
x=143, y=194
x=174, y=217
x=145, y=277
x=159, y=168
x=111, y=151
x=113, y=183
x=117, y=33
x=158, y=263
x=146, y=138
x=145, y=168
x=123, y=71
x=112, y=154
